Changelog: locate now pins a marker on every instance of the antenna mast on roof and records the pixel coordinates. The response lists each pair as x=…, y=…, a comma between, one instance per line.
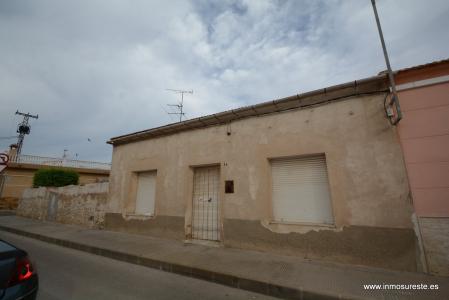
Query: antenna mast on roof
x=180, y=105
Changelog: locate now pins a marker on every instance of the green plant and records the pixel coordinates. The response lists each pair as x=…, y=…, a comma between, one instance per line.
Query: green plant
x=55, y=177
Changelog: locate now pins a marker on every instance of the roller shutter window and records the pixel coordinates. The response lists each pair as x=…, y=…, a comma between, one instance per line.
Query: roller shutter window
x=146, y=192
x=301, y=190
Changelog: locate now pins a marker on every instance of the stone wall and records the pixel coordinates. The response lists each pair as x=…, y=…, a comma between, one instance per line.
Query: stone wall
x=75, y=204
x=18, y=177
x=435, y=235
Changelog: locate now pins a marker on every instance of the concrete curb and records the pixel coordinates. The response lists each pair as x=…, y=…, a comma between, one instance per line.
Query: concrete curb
x=260, y=287
x=7, y=212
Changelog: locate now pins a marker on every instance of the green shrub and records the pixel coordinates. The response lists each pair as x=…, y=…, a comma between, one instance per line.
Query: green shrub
x=55, y=177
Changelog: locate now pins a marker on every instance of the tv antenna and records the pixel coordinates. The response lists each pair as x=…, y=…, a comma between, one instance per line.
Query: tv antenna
x=180, y=105
x=23, y=128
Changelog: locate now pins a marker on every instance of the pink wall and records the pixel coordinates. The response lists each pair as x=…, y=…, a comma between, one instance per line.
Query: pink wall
x=424, y=135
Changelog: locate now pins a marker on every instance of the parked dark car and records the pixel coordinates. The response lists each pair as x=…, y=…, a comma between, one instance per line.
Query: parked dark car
x=18, y=278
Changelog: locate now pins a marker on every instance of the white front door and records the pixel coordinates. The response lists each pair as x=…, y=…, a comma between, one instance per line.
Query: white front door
x=206, y=216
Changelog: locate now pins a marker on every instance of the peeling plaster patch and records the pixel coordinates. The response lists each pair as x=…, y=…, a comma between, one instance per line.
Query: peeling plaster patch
x=129, y=217
x=169, y=227
x=295, y=228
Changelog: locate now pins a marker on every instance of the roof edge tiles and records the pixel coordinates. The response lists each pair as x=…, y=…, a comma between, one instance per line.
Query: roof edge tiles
x=375, y=84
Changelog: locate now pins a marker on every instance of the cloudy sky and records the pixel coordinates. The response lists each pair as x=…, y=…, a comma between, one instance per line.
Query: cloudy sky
x=97, y=69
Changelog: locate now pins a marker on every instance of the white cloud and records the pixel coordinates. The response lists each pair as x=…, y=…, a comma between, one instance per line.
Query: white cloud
x=97, y=69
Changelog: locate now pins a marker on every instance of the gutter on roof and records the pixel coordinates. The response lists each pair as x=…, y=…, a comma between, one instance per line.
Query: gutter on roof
x=423, y=66
x=375, y=84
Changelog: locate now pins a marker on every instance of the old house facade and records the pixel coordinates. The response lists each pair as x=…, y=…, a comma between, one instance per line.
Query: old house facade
x=319, y=175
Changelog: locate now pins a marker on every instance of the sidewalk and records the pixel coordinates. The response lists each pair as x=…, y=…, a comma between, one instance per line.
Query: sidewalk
x=275, y=275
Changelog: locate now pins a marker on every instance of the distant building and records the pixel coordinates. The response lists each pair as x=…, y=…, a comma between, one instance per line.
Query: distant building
x=319, y=175
x=19, y=174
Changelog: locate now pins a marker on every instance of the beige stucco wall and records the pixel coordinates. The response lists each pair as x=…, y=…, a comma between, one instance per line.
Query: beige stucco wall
x=366, y=172
x=15, y=181
x=368, y=183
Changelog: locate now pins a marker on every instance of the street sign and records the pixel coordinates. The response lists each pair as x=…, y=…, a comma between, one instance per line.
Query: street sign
x=4, y=158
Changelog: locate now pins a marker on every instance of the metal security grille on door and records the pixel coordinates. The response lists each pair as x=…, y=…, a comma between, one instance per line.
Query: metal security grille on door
x=301, y=190
x=206, y=217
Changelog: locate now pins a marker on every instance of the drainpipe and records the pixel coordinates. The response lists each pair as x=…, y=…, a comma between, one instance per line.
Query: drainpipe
x=394, y=99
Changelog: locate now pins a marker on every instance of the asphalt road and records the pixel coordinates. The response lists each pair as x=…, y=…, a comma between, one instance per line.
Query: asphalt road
x=70, y=274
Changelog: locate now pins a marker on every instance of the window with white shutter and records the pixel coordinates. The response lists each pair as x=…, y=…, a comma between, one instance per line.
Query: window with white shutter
x=146, y=193
x=301, y=190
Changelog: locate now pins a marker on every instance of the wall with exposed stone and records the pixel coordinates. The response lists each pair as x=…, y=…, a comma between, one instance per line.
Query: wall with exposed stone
x=74, y=204
x=435, y=235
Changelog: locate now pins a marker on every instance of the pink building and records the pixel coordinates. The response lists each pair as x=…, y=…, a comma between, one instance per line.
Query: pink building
x=424, y=135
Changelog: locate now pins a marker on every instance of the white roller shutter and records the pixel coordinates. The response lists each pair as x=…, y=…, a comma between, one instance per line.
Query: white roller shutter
x=146, y=191
x=301, y=190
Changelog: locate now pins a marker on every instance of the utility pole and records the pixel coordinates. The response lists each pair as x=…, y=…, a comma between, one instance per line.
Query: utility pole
x=23, y=128
x=180, y=105
x=394, y=99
